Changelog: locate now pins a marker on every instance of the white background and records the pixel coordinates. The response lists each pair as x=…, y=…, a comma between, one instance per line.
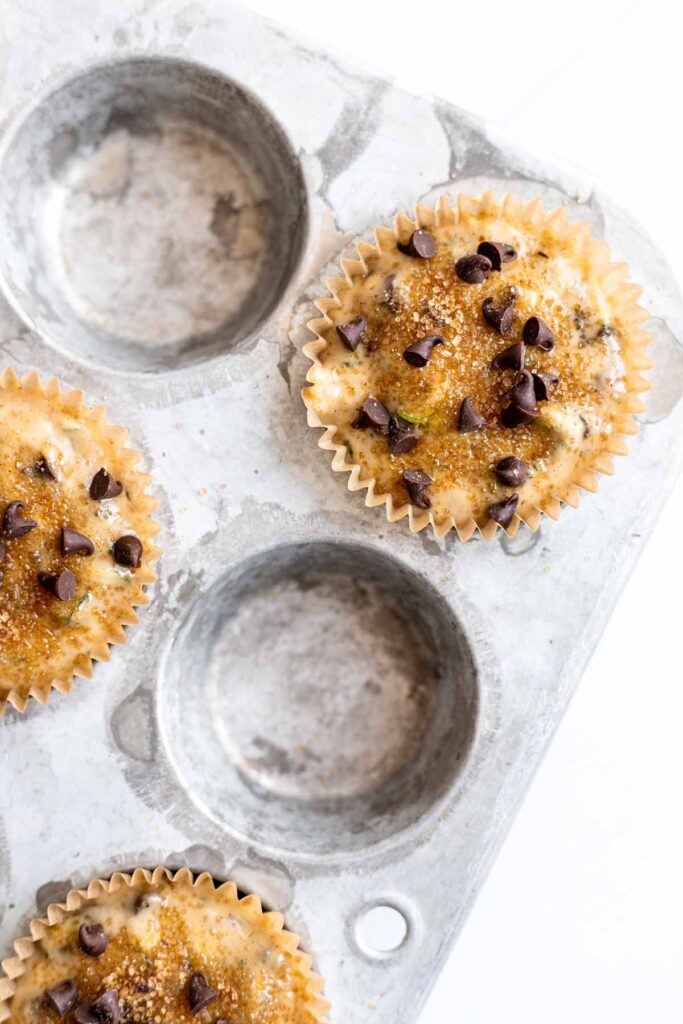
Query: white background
x=581, y=919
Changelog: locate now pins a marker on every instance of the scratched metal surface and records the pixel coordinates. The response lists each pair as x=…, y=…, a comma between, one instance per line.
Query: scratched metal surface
x=273, y=718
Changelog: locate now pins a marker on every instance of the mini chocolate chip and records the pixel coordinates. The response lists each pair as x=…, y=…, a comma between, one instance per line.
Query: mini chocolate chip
x=74, y=543
x=93, y=939
x=62, y=997
x=469, y=418
x=142, y=986
x=544, y=385
x=515, y=416
x=43, y=468
x=503, y=511
x=473, y=269
x=402, y=437
x=127, y=551
x=522, y=393
x=85, y=1014
x=511, y=471
x=499, y=317
x=419, y=352
x=420, y=244
x=13, y=523
x=104, y=486
x=389, y=296
x=416, y=483
x=511, y=358
x=62, y=584
x=352, y=332
x=497, y=252
x=200, y=993
x=372, y=414
x=105, y=1010
x=107, y=1007
x=537, y=333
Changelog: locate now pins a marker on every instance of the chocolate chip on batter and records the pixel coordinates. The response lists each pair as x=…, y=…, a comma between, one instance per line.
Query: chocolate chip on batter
x=511, y=471
x=419, y=352
x=499, y=317
x=469, y=418
x=522, y=393
x=62, y=997
x=85, y=1014
x=544, y=385
x=107, y=1007
x=44, y=469
x=74, y=543
x=511, y=358
x=62, y=584
x=352, y=332
x=537, y=333
x=93, y=939
x=497, y=252
x=105, y=1010
x=503, y=511
x=13, y=523
x=389, y=296
x=416, y=483
x=420, y=244
x=104, y=486
x=200, y=993
x=515, y=416
x=127, y=551
x=372, y=414
x=473, y=269
x=402, y=437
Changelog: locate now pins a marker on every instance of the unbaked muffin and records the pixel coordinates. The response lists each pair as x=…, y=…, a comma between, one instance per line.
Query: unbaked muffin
x=478, y=365
x=162, y=948
x=75, y=538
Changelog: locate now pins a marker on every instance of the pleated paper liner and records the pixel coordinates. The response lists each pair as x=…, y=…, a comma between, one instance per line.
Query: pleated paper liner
x=104, y=613
x=622, y=296
x=245, y=921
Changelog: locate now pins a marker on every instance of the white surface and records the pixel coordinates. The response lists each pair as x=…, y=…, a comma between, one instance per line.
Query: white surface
x=581, y=920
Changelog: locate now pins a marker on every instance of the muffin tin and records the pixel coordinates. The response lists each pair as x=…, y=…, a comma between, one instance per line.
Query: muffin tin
x=336, y=714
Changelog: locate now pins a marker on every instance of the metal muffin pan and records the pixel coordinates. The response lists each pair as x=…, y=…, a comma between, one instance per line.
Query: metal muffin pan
x=331, y=711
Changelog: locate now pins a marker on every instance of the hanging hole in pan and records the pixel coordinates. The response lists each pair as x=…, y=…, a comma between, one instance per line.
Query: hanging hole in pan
x=152, y=214
x=381, y=930
x=319, y=698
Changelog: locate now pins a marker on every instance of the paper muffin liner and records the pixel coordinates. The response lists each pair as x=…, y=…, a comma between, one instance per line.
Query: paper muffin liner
x=613, y=278
x=136, y=486
x=142, y=878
